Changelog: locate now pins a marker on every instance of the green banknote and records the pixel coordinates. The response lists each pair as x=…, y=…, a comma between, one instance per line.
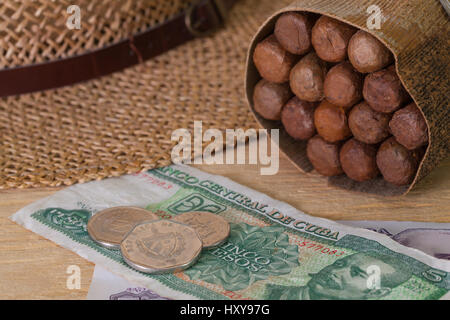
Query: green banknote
x=274, y=251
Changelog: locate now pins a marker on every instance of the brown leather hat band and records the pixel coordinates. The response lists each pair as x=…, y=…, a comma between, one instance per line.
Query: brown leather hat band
x=200, y=19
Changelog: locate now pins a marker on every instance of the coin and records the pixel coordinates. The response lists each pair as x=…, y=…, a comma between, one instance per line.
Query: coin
x=212, y=229
x=109, y=227
x=161, y=246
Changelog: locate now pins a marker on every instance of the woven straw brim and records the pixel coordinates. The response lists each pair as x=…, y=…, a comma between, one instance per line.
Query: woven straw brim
x=35, y=31
x=123, y=123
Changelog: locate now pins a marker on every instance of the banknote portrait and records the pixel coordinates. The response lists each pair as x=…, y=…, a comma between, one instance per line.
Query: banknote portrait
x=347, y=279
x=431, y=238
x=435, y=242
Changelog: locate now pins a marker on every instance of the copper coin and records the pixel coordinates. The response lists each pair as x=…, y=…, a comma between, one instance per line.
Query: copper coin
x=212, y=229
x=109, y=227
x=161, y=246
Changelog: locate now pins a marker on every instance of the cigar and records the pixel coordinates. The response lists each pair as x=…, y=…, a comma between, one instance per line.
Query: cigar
x=307, y=78
x=269, y=99
x=293, y=32
x=368, y=125
x=330, y=39
x=358, y=160
x=409, y=127
x=367, y=54
x=324, y=156
x=343, y=85
x=397, y=164
x=331, y=122
x=297, y=117
x=384, y=91
x=273, y=62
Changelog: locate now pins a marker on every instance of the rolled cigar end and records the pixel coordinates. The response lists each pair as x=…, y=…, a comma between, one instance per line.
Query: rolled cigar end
x=384, y=91
x=331, y=122
x=409, y=127
x=367, y=54
x=324, y=156
x=269, y=99
x=307, y=78
x=298, y=119
x=368, y=125
x=397, y=164
x=343, y=85
x=330, y=39
x=358, y=160
x=273, y=62
x=293, y=32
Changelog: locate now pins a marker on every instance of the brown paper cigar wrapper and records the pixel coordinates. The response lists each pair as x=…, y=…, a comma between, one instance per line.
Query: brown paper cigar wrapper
x=416, y=31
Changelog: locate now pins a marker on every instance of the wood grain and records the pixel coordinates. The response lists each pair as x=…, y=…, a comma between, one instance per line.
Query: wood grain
x=32, y=267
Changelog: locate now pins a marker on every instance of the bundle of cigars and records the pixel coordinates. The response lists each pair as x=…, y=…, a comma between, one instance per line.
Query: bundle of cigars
x=337, y=88
x=335, y=91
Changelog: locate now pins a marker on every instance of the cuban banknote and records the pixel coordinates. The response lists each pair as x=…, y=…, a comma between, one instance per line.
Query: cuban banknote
x=431, y=238
x=109, y=286
x=274, y=250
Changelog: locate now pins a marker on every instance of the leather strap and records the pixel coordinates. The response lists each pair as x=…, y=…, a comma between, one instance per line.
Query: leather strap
x=201, y=18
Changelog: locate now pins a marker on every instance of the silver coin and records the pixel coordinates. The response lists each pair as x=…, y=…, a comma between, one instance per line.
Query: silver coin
x=161, y=246
x=109, y=227
x=212, y=229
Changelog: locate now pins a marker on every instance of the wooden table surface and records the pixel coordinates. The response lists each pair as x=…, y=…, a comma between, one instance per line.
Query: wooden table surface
x=32, y=267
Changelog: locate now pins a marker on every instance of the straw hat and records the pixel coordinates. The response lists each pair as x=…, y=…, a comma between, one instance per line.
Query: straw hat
x=61, y=124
